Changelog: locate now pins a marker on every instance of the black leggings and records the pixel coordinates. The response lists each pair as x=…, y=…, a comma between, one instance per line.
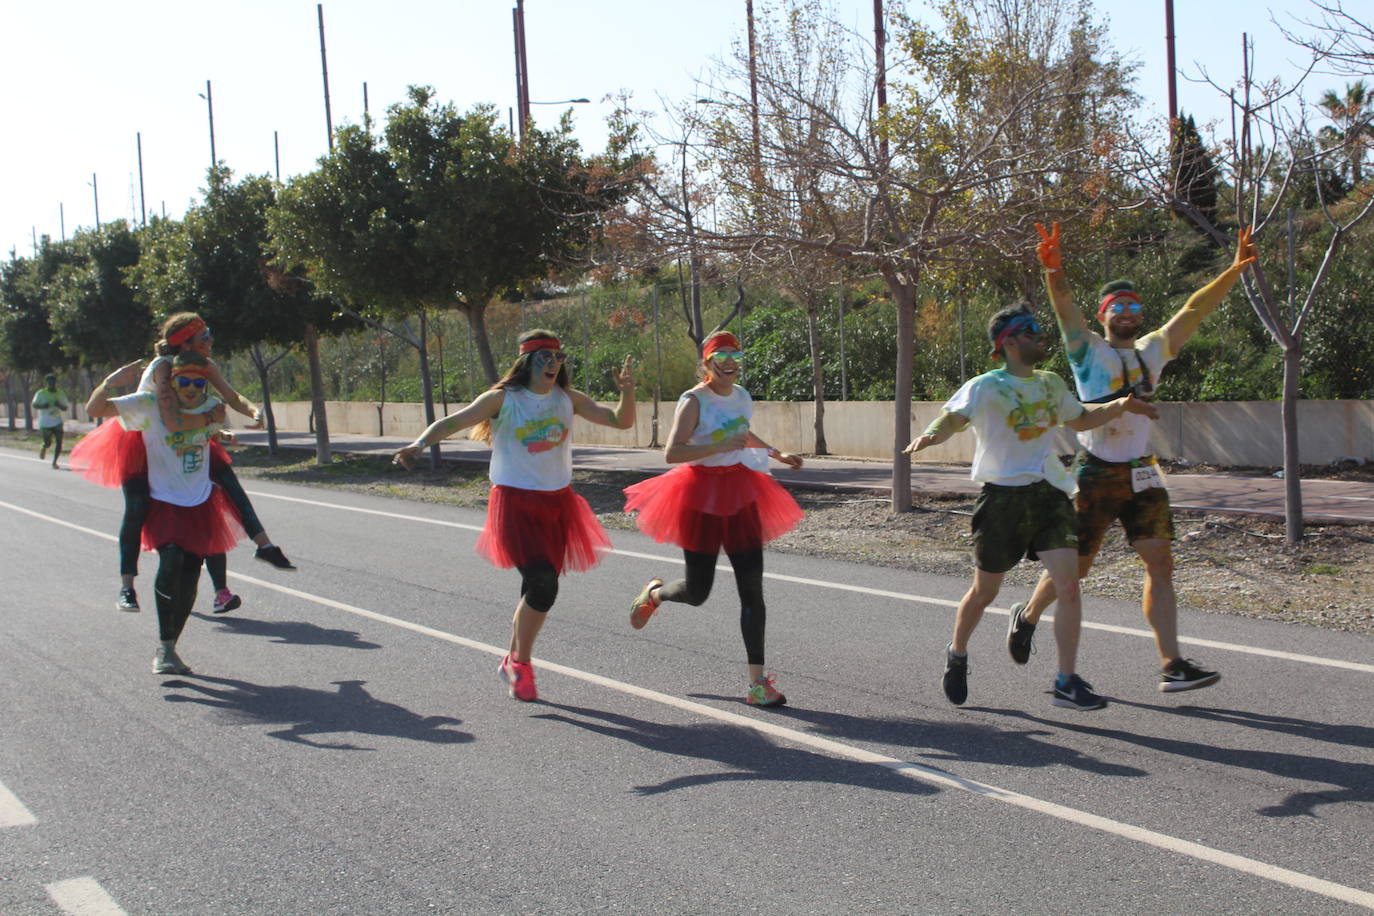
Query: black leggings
x=701, y=574
x=138, y=500
x=539, y=585
x=175, y=587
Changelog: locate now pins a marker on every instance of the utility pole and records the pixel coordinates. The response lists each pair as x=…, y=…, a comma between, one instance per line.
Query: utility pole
x=210, y=107
x=1169, y=58
x=324, y=70
x=142, y=199
x=95, y=189
x=880, y=61
x=754, y=93
x=62, y=220
x=522, y=67
x=276, y=154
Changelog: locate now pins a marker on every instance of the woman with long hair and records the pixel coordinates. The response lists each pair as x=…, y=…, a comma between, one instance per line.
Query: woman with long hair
x=717, y=498
x=114, y=457
x=535, y=522
x=188, y=517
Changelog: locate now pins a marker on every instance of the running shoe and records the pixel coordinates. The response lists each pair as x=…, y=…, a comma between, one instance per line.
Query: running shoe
x=1077, y=694
x=1182, y=674
x=166, y=661
x=763, y=693
x=956, y=677
x=520, y=677
x=1020, y=635
x=226, y=600
x=128, y=599
x=272, y=554
x=643, y=607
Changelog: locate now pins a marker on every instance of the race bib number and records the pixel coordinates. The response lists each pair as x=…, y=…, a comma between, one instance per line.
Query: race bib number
x=1145, y=477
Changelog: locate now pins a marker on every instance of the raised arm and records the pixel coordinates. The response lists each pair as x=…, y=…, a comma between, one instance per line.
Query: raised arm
x=98, y=404
x=1201, y=303
x=484, y=407
x=623, y=415
x=231, y=397
x=1072, y=327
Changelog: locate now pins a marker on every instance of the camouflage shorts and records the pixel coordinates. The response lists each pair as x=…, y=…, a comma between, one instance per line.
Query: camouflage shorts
x=1105, y=495
x=1014, y=522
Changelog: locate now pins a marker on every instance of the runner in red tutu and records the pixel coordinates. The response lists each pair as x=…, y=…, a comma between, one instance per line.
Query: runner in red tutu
x=189, y=517
x=718, y=497
x=535, y=522
x=113, y=457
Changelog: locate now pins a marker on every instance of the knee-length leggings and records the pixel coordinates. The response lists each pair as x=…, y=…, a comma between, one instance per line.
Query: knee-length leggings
x=696, y=587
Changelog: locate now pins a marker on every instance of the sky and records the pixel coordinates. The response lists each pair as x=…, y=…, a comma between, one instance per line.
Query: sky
x=86, y=80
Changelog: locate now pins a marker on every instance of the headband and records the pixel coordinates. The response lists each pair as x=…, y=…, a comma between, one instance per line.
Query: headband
x=199, y=371
x=540, y=343
x=186, y=332
x=722, y=341
x=1011, y=328
x=1129, y=295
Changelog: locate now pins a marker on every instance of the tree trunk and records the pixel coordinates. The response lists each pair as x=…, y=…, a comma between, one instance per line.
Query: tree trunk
x=813, y=334
x=1292, y=475
x=260, y=364
x=477, y=321
x=11, y=405
x=905, y=295
x=427, y=385
x=312, y=351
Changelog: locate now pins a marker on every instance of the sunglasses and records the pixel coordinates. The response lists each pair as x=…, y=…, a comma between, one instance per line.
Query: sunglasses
x=184, y=382
x=544, y=357
x=1116, y=308
x=721, y=356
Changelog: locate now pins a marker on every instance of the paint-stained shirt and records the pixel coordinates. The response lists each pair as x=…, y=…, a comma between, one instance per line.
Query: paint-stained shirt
x=720, y=417
x=178, y=462
x=1014, y=419
x=1102, y=370
x=531, y=443
x=49, y=404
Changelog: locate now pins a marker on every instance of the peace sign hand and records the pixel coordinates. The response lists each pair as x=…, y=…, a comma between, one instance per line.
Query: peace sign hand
x=625, y=378
x=1051, y=258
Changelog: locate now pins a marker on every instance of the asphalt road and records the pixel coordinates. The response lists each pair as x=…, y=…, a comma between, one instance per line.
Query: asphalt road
x=345, y=746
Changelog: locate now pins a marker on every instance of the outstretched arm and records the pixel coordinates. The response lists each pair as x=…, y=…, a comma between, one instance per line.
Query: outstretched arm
x=1094, y=415
x=941, y=428
x=232, y=397
x=484, y=407
x=1072, y=327
x=1201, y=303
x=787, y=458
x=623, y=416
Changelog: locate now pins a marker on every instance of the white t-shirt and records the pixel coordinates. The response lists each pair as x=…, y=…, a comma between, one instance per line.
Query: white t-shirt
x=720, y=417
x=146, y=381
x=49, y=405
x=531, y=444
x=1104, y=370
x=178, y=463
x=1013, y=418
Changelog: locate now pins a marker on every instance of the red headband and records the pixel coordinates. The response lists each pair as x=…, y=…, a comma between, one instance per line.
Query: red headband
x=1129, y=295
x=186, y=332
x=191, y=369
x=720, y=341
x=540, y=343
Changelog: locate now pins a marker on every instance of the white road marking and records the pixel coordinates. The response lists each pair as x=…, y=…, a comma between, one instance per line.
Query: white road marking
x=84, y=897
x=12, y=810
x=882, y=593
x=915, y=771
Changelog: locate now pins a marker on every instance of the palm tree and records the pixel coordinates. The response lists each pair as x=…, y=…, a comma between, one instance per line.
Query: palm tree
x=1353, y=115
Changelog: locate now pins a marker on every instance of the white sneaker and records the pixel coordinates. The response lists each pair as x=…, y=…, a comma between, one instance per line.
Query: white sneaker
x=166, y=661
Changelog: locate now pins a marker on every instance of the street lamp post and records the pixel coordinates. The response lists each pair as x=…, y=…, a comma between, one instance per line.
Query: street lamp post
x=210, y=108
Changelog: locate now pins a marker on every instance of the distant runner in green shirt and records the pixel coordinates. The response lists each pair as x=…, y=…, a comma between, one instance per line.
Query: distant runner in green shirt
x=49, y=403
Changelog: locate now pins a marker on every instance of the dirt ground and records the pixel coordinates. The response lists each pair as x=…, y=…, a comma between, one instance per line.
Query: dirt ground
x=1225, y=564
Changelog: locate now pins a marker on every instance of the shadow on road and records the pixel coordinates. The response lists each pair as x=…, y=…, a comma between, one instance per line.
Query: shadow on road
x=747, y=754
x=291, y=632
x=350, y=709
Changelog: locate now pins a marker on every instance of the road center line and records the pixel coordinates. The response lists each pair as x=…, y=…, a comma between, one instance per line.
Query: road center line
x=880, y=593
x=12, y=810
x=915, y=771
x=83, y=897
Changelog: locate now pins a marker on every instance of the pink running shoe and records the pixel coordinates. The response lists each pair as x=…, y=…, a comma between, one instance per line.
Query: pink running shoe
x=520, y=677
x=763, y=693
x=644, y=605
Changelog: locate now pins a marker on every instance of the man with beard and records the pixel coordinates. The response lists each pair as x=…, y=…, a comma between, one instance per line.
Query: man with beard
x=1118, y=477
x=1024, y=508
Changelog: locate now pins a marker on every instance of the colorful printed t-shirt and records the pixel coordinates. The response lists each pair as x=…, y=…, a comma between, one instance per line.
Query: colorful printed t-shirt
x=50, y=405
x=531, y=444
x=719, y=418
x=178, y=463
x=1102, y=370
x=1014, y=419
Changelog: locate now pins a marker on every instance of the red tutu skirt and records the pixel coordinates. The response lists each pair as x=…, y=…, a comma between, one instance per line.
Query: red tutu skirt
x=109, y=455
x=703, y=508
x=207, y=529
x=526, y=526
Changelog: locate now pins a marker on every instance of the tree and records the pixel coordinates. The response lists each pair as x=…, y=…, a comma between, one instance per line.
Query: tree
x=1004, y=116
x=94, y=313
x=30, y=347
x=1193, y=170
x=1353, y=130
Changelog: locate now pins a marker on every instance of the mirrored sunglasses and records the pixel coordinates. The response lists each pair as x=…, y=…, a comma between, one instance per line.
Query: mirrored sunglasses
x=1116, y=308
x=721, y=356
x=549, y=356
x=186, y=382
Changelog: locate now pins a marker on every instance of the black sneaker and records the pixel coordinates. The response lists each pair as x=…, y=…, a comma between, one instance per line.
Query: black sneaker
x=128, y=600
x=1077, y=694
x=1020, y=635
x=272, y=554
x=1182, y=674
x=956, y=677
